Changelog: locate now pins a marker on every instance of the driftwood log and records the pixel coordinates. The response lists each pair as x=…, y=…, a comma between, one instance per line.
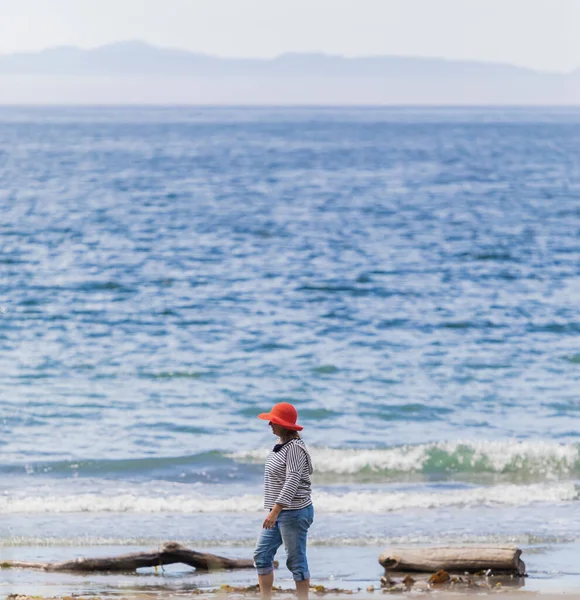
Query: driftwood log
x=169, y=553
x=500, y=560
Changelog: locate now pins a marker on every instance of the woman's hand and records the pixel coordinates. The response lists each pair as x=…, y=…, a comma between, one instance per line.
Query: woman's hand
x=272, y=517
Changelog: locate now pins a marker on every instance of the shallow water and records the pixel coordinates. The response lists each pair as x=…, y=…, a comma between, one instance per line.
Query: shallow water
x=408, y=278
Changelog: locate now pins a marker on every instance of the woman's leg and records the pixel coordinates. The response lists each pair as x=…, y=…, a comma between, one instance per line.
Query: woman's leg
x=266, y=583
x=268, y=543
x=302, y=589
x=294, y=529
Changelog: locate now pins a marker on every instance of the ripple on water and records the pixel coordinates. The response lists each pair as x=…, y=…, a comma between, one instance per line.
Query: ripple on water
x=311, y=255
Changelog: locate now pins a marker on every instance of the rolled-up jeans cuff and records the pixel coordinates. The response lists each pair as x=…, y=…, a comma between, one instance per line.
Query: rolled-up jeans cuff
x=301, y=576
x=265, y=570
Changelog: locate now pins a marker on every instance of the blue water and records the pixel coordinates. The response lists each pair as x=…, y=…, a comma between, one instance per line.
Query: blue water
x=408, y=278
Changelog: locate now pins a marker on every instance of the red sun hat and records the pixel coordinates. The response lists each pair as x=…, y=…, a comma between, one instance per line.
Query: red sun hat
x=283, y=414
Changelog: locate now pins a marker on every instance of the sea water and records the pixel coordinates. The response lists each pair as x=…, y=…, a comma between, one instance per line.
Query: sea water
x=408, y=278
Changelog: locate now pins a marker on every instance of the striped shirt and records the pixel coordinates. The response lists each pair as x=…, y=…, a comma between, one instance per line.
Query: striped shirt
x=287, y=477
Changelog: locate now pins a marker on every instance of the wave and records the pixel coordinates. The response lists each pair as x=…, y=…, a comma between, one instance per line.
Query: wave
x=510, y=457
x=507, y=460
x=202, y=466
x=326, y=502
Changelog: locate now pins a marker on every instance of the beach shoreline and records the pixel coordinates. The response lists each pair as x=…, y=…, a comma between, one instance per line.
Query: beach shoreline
x=354, y=571
x=288, y=593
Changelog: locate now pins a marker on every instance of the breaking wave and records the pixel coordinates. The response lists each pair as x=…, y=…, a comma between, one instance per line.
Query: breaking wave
x=510, y=457
x=370, y=502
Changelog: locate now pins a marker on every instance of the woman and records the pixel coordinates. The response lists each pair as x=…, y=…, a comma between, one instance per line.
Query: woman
x=287, y=498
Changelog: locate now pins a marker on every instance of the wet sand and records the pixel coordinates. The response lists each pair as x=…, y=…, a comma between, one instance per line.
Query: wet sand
x=287, y=595
x=353, y=570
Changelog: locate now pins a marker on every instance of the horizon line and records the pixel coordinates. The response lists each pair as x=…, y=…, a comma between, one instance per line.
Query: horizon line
x=534, y=107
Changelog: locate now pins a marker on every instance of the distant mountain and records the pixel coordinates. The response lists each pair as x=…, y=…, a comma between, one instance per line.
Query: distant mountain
x=139, y=58
x=139, y=73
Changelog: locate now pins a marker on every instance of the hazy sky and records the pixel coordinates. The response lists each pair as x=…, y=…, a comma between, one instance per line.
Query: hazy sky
x=536, y=33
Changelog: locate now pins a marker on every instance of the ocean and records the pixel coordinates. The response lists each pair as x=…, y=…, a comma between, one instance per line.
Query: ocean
x=408, y=278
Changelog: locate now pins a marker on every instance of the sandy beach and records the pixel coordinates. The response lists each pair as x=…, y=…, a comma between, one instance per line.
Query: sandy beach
x=359, y=576
x=226, y=591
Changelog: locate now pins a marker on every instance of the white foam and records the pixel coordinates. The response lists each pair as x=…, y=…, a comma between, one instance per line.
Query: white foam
x=314, y=540
x=127, y=502
x=506, y=495
x=544, y=458
x=351, y=502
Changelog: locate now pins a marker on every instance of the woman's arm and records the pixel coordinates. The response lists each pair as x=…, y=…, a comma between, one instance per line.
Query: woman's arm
x=296, y=462
x=272, y=517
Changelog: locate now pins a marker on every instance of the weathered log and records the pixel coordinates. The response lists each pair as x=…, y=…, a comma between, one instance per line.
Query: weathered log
x=470, y=559
x=170, y=553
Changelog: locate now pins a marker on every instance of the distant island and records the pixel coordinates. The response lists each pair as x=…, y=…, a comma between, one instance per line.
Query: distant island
x=135, y=72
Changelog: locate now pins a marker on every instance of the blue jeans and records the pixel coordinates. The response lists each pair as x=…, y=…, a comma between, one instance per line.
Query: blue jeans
x=291, y=528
